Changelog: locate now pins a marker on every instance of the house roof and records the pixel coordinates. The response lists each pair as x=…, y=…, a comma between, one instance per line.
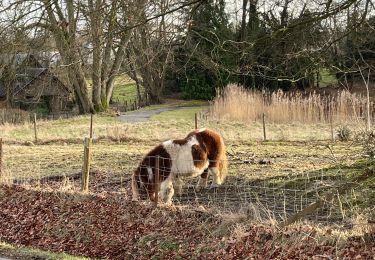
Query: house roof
x=24, y=79
x=28, y=69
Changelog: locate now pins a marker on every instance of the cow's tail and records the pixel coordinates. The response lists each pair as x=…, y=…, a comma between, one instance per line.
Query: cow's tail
x=223, y=162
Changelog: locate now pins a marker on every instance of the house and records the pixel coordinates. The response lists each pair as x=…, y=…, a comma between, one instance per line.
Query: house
x=34, y=85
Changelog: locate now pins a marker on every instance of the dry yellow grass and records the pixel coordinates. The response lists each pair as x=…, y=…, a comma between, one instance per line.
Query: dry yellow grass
x=237, y=103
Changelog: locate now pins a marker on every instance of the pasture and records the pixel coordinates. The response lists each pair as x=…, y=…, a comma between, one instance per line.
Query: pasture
x=268, y=182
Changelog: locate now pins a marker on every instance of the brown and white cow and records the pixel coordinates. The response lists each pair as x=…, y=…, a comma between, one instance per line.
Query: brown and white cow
x=177, y=159
x=188, y=157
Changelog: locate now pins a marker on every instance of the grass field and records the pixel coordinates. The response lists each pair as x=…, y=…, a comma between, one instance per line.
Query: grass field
x=61, y=140
x=294, y=149
x=125, y=91
x=296, y=152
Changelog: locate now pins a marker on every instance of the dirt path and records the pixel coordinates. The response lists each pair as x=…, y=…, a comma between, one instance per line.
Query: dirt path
x=144, y=116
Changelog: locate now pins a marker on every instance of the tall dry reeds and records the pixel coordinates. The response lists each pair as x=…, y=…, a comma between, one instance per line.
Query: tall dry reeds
x=238, y=103
x=13, y=116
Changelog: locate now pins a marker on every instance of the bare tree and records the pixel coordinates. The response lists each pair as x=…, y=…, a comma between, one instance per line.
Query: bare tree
x=151, y=46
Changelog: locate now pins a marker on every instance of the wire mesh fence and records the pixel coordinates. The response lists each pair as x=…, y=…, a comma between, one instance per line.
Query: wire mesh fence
x=277, y=197
x=267, y=200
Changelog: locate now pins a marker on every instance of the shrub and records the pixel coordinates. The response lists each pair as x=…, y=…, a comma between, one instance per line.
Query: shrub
x=343, y=133
x=367, y=140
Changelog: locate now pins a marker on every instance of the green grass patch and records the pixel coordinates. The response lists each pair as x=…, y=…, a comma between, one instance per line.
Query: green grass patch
x=125, y=92
x=173, y=103
x=8, y=250
x=125, y=89
x=168, y=245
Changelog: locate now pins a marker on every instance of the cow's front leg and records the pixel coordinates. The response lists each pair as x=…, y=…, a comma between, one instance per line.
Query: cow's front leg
x=203, y=180
x=178, y=183
x=216, y=182
x=167, y=191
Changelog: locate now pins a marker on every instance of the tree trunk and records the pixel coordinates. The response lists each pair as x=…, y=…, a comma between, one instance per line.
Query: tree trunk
x=96, y=80
x=65, y=38
x=242, y=34
x=106, y=64
x=78, y=80
x=120, y=54
x=96, y=35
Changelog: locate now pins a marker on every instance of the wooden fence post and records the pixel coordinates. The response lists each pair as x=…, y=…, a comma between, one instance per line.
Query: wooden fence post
x=264, y=128
x=156, y=180
x=86, y=165
x=1, y=158
x=196, y=121
x=91, y=130
x=35, y=129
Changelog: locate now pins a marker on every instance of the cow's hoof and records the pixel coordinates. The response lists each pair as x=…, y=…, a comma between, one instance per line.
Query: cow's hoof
x=214, y=186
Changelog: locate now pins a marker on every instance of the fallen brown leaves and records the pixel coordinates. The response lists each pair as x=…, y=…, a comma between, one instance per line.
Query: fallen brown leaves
x=97, y=226
x=113, y=227
x=296, y=243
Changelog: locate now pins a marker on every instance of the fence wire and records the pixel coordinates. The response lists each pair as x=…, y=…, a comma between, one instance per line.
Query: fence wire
x=276, y=197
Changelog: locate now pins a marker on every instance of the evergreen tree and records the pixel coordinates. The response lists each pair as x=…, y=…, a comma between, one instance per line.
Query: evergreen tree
x=202, y=62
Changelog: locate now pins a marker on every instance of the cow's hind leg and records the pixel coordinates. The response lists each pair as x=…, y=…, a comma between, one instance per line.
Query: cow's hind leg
x=202, y=182
x=135, y=191
x=167, y=191
x=178, y=183
x=216, y=182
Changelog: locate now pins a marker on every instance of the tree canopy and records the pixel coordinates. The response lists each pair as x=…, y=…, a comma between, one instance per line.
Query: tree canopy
x=197, y=46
